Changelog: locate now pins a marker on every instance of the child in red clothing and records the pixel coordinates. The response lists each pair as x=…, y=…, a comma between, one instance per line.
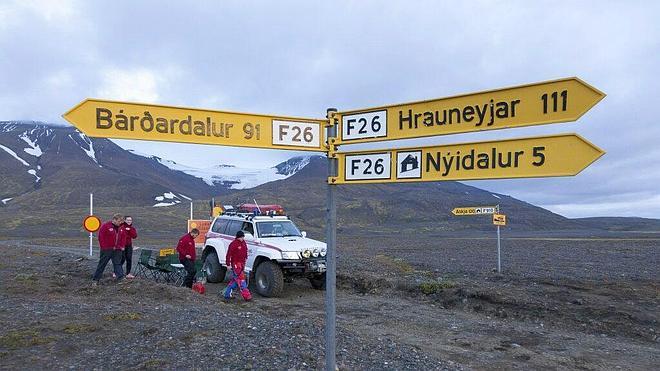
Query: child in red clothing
x=235, y=260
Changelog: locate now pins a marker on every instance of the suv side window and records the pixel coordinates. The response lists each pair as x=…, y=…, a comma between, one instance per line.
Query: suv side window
x=233, y=227
x=219, y=226
x=247, y=228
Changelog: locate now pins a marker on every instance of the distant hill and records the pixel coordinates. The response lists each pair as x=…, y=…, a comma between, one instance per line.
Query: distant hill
x=42, y=165
x=47, y=173
x=616, y=224
x=410, y=207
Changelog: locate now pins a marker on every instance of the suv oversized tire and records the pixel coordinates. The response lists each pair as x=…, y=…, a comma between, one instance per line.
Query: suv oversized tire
x=214, y=271
x=318, y=281
x=268, y=279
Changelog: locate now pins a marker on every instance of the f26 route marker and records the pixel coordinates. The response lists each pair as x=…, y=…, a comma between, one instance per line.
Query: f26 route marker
x=125, y=120
x=545, y=156
x=541, y=103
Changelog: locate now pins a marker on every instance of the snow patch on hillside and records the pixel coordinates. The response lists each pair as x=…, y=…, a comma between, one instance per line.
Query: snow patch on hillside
x=34, y=172
x=5, y=200
x=235, y=177
x=167, y=199
x=34, y=148
x=25, y=163
x=6, y=127
x=14, y=155
x=494, y=195
x=87, y=146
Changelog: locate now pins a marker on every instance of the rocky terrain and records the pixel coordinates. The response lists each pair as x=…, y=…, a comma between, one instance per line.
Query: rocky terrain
x=399, y=306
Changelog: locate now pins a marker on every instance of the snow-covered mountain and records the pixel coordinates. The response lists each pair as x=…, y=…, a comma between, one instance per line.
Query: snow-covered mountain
x=234, y=177
x=48, y=164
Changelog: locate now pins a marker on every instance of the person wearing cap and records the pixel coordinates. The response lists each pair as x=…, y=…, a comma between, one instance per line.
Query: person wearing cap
x=235, y=260
x=187, y=255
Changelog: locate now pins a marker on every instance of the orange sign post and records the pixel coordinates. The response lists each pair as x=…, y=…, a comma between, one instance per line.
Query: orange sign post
x=203, y=226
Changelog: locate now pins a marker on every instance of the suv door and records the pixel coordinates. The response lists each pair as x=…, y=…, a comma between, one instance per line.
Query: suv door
x=219, y=226
x=247, y=227
x=233, y=227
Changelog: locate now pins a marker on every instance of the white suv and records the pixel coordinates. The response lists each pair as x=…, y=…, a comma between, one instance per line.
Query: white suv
x=276, y=249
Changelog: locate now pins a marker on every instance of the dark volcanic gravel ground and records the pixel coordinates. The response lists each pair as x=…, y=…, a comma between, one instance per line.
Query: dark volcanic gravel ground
x=547, y=258
x=52, y=318
x=560, y=304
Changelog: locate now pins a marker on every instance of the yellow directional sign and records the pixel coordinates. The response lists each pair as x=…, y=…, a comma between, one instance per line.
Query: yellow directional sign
x=555, y=155
x=534, y=104
x=499, y=219
x=474, y=210
x=124, y=120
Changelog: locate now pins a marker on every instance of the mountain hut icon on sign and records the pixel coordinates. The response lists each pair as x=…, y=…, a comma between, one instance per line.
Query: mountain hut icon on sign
x=409, y=163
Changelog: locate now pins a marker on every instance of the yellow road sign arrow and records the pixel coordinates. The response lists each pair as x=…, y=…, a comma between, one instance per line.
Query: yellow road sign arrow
x=126, y=120
x=534, y=104
x=546, y=156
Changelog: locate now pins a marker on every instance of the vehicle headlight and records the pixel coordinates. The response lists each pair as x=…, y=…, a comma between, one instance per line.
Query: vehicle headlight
x=292, y=255
x=315, y=253
x=323, y=252
x=306, y=254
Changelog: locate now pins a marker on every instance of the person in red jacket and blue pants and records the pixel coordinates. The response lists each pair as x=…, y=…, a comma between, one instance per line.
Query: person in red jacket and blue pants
x=112, y=240
x=131, y=234
x=235, y=260
x=187, y=255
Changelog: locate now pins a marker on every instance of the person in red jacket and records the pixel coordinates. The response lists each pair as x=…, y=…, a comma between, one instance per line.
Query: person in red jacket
x=112, y=239
x=235, y=260
x=131, y=234
x=187, y=255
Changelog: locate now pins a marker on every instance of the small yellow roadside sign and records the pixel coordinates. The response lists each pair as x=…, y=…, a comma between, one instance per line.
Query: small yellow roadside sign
x=125, y=120
x=547, y=156
x=166, y=252
x=546, y=102
x=474, y=210
x=499, y=219
x=92, y=223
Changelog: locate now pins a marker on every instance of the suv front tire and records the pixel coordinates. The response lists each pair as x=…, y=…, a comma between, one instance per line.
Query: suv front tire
x=214, y=271
x=269, y=279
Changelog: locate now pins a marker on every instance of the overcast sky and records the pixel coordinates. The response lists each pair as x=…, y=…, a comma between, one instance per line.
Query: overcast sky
x=298, y=58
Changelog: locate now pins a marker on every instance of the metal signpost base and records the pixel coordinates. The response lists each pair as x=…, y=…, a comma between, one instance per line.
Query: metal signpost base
x=499, y=261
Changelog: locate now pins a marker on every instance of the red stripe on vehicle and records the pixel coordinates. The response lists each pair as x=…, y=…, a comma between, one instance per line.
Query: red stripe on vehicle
x=228, y=238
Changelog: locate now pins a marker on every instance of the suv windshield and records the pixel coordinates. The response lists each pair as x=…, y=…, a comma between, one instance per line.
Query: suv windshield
x=283, y=228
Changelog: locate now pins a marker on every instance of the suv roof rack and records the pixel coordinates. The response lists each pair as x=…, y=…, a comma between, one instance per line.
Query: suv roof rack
x=249, y=216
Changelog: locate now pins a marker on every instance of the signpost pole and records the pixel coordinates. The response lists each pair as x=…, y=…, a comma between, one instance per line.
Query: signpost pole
x=331, y=256
x=191, y=210
x=91, y=212
x=499, y=261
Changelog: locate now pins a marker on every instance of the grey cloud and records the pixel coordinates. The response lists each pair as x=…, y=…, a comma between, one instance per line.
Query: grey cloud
x=298, y=58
